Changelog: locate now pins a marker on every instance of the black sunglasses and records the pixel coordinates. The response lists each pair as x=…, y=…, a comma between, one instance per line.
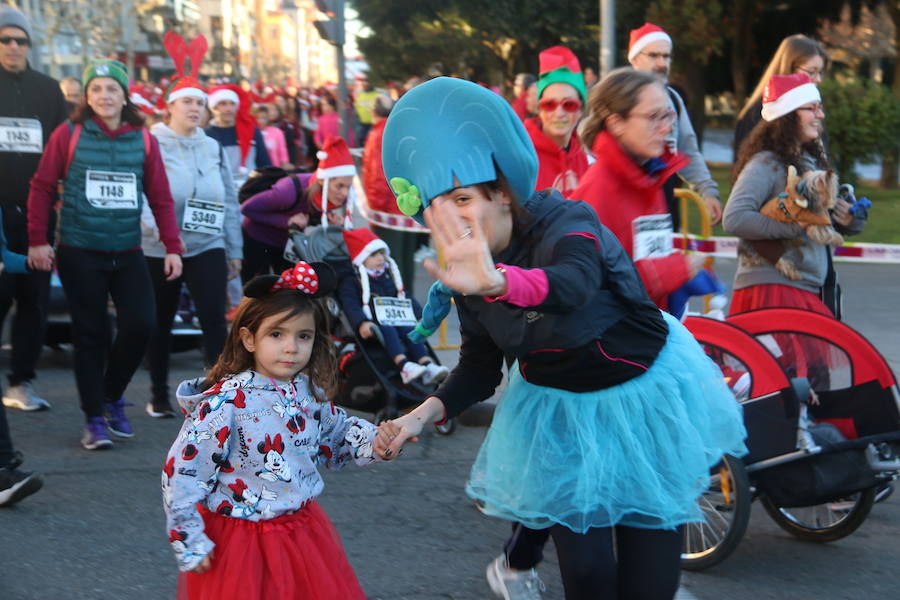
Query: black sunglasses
x=23, y=41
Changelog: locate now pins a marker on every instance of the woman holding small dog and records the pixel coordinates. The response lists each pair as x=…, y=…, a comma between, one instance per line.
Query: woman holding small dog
x=788, y=135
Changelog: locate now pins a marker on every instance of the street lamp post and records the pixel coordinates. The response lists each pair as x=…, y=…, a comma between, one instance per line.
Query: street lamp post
x=607, y=36
x=332, y=31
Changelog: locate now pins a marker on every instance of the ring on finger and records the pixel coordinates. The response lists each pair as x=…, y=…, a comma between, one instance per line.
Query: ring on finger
x=466, y=233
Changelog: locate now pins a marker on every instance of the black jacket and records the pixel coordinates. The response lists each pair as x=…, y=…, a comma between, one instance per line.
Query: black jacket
x=596, y=327
x=31, y=95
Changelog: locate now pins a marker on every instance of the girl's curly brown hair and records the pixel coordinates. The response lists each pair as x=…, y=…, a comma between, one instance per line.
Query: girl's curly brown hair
x=780, y=138
x=322, y=366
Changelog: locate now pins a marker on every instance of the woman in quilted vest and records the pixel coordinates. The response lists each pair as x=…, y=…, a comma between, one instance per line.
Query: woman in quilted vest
x=106, y=161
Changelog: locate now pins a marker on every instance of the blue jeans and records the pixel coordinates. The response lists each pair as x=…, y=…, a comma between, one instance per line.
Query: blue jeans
x=396, y=342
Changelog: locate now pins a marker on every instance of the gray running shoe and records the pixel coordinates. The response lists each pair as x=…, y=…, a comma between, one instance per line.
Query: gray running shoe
x=23, y=397
x=513, y=585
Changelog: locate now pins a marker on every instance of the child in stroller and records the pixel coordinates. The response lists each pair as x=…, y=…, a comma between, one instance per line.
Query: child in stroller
x=371, y=290
x=369, y=380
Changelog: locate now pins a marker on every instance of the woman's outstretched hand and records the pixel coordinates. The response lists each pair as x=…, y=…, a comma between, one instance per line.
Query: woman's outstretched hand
x=392, y=435
x=469, y=268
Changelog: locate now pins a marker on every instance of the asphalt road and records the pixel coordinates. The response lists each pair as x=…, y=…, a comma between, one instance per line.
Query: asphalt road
x=96, y=530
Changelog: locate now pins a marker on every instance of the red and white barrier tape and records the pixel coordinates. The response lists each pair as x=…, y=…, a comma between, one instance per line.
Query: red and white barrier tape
x=726, y=247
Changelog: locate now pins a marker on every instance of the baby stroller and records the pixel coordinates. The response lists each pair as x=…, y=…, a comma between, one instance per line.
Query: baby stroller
x=814, y=462
x=369, y=380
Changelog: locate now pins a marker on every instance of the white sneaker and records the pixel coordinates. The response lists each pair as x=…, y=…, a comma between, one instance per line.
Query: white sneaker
x=509, y=584
x=435, y=373
x=411, y=371
x=22, y=397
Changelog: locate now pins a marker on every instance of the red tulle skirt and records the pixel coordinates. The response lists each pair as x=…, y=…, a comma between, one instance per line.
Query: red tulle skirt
x=773, y=295
x=802, y=356
x=296, y=556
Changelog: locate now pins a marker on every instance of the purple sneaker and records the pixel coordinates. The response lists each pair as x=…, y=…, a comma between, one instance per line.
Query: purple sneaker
x=95, y=436
x=116, y=420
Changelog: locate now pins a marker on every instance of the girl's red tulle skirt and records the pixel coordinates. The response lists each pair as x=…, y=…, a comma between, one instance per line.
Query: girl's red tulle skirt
x=295, y=556
x=802, y=356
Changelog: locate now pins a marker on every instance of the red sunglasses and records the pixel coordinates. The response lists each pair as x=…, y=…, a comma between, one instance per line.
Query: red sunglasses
x=568, y=105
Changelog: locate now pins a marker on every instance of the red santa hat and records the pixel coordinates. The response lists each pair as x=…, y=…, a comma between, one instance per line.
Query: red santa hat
x=361, y=244
x=139, y=99
x=335, y=160
x=244, y=123
x=787, y=93
x=643, y=36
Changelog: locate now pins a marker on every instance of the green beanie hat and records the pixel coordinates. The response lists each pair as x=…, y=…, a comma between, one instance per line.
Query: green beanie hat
x=559, y=65
x=106, y=67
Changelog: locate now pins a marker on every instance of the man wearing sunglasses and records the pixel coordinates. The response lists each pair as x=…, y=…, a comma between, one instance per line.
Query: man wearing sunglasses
x=650, y=49
x=31, y=107
x=561, y=97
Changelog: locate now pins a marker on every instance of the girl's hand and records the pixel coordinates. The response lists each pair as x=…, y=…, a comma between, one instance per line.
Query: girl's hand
x=408, y=427
x=205, y=564
x=387, y=433
x=469, y=266
x=40, y=258
x=365, y=329
x=172, y=267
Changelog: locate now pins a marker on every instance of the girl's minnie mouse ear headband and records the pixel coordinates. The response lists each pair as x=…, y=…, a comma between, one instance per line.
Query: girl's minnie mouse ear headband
x=316, y=279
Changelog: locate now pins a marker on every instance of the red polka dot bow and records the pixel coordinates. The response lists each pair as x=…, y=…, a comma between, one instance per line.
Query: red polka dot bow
x=300, y=277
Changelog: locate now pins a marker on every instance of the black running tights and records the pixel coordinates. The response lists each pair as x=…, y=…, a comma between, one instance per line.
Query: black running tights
x=612, y=563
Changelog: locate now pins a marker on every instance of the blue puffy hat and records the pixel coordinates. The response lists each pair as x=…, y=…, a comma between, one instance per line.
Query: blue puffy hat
x=450, y=128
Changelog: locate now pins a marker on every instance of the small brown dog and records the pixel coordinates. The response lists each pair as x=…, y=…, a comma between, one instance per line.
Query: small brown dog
x=806, y=202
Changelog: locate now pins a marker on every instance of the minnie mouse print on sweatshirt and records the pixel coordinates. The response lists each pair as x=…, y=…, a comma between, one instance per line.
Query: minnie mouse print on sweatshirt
x=249, y=449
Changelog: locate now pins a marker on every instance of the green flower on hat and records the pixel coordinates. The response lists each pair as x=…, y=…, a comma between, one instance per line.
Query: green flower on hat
x=409, y=200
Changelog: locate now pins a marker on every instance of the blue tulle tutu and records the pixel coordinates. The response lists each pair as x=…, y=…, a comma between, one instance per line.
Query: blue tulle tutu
x=637, y=454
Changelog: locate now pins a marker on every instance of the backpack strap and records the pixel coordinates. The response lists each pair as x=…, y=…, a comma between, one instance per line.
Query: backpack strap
x=675, y=100
x=146, y=133
x=74, y=134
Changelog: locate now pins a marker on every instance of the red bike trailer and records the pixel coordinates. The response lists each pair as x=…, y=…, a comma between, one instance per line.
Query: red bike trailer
x=796, y=483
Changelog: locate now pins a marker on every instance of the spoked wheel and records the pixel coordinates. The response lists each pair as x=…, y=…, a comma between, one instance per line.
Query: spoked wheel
x=824, y=522
x=726, y=510
x=447, y=427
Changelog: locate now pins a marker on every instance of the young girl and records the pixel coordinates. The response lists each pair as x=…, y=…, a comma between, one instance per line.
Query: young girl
x=240, y=482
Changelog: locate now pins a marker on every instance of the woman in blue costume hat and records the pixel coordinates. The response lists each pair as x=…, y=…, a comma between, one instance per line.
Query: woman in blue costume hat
x=613, y=414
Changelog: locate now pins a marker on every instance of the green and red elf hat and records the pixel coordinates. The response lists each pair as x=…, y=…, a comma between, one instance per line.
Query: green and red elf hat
x=559, y=65
x=184, y=85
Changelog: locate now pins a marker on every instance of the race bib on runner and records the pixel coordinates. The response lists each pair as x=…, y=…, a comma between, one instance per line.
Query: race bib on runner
x=203, y=217
x=396, y=312
x=652, y=236
x=111, y=190
x=21, y=135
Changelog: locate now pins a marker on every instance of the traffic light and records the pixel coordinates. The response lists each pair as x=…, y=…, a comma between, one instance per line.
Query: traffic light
x=332, y=30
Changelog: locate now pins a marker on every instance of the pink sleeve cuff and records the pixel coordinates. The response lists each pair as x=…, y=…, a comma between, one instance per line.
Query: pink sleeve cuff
x=524, y=287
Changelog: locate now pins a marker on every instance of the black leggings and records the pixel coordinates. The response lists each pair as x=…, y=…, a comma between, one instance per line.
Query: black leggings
x=89, y=279
x=614, y=563
x=31, y=292
x=261, y=258
x=205, y=275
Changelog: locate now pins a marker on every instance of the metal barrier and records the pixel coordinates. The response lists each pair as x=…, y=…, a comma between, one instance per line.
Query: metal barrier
x=685, y=195
x=442, y=330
